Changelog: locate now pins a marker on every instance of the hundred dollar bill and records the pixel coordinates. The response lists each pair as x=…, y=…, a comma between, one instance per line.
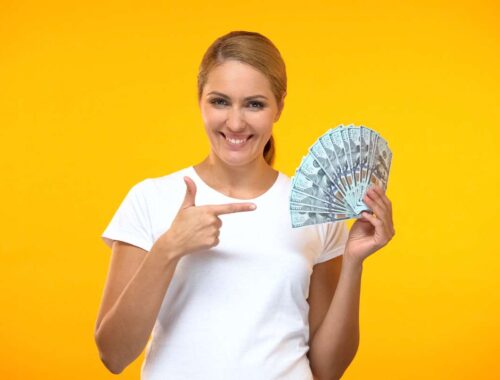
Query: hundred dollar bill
x=311, y=169
x=330, y=192
x=340, y=138
x=300, y=219
x=327, y=145
x=321, y=156
x=315, y=207
x=355, y=148
x=347, y=138
x=298, y=196
x=305, y=207
x=367, y=153
x=344, y=136
x=371, y=157
x=365, y=134
x=336, y=146
x=380, y=173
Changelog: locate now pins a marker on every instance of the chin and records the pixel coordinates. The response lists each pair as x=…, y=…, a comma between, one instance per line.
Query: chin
x=237, y=162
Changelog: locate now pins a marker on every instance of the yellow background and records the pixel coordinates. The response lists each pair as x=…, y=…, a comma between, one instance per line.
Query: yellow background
x=96, y=96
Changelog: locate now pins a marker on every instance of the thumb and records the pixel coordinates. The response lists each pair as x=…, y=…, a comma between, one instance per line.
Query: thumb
x=190, y=193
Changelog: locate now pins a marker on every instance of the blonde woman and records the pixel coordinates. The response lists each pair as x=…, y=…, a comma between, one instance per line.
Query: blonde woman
x=205, y=261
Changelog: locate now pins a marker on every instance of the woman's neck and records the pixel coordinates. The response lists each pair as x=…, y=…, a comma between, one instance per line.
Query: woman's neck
x=244, y=182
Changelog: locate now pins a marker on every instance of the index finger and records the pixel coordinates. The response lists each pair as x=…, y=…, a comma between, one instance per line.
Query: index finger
x=230, y=208
x=381, y=192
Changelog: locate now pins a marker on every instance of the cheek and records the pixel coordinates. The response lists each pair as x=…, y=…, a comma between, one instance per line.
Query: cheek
x=261, y=122
x=213, y=118
x=260, y=118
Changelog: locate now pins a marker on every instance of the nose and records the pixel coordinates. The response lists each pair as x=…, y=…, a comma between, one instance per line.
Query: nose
x=235, y=120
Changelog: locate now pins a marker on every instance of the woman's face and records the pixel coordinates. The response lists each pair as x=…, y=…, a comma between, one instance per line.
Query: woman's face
x=238, y=109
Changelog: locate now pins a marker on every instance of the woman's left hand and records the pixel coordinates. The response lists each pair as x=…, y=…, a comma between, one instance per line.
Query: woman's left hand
x=371, y=231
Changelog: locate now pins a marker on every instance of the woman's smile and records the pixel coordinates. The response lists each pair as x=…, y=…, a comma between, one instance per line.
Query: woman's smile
x=235, y=142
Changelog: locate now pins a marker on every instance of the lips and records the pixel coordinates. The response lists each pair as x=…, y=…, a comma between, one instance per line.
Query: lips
x=236, y=140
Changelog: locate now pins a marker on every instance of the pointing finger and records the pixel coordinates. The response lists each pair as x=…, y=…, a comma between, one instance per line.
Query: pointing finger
x=230, y=208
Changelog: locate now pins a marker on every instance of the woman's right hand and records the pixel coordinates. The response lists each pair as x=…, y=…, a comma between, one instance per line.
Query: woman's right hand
x=194, y=227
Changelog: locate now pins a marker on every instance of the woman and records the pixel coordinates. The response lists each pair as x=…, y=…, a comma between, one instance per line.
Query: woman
x=206, y=260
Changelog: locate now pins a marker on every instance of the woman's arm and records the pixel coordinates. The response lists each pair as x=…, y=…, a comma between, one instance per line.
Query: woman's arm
x=336, y=341
x=130, y=306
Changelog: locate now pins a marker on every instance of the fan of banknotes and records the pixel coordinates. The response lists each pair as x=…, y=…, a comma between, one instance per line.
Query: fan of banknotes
x=332, y=179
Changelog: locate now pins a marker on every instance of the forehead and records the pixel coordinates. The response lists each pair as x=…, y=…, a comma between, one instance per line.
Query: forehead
x=236, y=79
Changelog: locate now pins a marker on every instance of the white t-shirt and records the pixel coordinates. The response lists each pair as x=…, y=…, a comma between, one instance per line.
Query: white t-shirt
x=238, y=310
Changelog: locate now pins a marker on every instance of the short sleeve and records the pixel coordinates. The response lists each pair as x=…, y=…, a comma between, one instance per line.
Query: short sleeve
x=131, y=222
x=334, y=237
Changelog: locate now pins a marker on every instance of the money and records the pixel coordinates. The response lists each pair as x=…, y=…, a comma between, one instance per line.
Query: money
x=300, y=218
x=332, y=179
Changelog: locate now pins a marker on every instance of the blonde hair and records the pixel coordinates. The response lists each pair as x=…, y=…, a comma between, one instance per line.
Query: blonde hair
x=253, y=49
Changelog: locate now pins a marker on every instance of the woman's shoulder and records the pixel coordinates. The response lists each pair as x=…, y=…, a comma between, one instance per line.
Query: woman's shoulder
x=174, y=178
x=284, y=180
x=150, y=186
x=284, y=175
x=179, y=173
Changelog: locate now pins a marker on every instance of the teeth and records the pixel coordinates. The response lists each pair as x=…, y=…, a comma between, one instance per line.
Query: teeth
x=235, y=141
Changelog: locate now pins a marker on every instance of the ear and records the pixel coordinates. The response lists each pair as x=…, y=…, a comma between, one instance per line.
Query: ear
x=280, y=107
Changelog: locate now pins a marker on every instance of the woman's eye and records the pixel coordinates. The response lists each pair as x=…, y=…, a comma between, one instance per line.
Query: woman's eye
x=257, y=105
x=218, y=101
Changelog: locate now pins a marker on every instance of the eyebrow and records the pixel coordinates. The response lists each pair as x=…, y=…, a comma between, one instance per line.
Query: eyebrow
x=227, y=97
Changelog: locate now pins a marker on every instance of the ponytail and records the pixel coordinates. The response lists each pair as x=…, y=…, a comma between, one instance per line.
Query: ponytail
x=269, y=151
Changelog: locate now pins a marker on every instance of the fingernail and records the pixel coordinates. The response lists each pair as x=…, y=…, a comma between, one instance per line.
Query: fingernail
x=253, y=207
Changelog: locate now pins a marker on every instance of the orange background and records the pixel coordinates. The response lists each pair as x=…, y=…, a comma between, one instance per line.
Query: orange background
x=96, y=96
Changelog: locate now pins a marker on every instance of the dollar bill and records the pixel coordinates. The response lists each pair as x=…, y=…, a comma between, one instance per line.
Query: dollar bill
x=355, y=148
x=317, y=208
x=301, y=219
x=380, y=173
x=326, y=142
x=365, y=135
x=303, y=185
x=343, y=162
x=312, y=170
x=321, y=156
